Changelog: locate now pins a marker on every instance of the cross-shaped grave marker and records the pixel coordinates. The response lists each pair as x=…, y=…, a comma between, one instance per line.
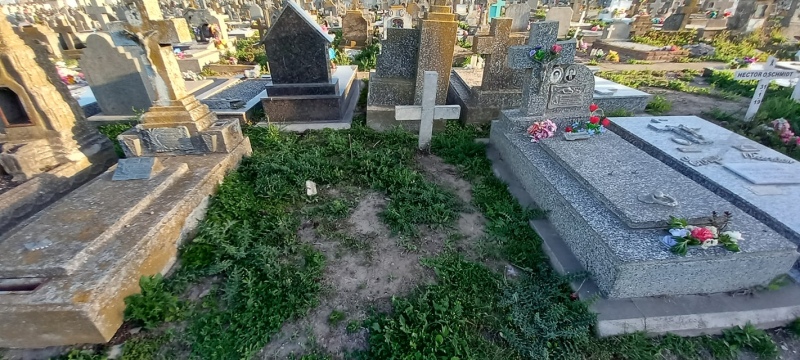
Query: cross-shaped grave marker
x=764, y=77
x=428, y=111
x=543, y=34
x=262, y=27
x=495, y=46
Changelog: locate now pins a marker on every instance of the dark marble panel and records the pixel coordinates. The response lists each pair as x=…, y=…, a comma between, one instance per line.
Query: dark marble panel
x=298, y=53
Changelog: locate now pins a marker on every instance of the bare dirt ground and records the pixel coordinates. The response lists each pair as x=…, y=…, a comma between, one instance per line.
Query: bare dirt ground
x=367, y=266
x=691, y=104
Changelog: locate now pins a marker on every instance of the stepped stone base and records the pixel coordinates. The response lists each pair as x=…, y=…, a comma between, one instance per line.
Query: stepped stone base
x=66, y=271
x=616, y=238
x=300, y=103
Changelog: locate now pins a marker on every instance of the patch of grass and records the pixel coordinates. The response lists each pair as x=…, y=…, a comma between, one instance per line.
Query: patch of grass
x=336, y=317
x=154, y=305
x=353, y=326
x=79, y=354
x=111, y=131
x=146, y=347
x=658, y=105
x=751, y=339
x=619, y=113
x=592, y=62
x=665, y=38
x=208, y=72
x=367, y=58
x=794, y=327
x=638, y=62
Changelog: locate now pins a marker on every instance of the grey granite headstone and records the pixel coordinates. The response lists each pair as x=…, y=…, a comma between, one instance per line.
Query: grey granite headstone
x=398, y=57
x=563, y=15
x=494, y=46
x=520, y=15
x=617, y=31
x=139, y=168
x=560, y=87
x=117, y=75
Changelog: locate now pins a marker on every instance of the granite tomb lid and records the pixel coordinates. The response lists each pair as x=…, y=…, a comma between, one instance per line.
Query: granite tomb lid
x=618, y=174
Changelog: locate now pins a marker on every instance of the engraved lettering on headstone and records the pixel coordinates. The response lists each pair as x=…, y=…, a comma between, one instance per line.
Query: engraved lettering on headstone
x=764, y=190
x=683, y=131
x=703, y=161
x=681, y=141
x=564, y=95
x=690, y=149
x=759, y=157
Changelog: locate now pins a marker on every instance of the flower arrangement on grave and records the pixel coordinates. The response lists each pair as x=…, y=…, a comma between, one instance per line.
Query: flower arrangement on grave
x=542, y=130
x=741, y=63
x=783, y=129
x=595, y=125
x=682, y=235
x=727, y=13
x=542, y=55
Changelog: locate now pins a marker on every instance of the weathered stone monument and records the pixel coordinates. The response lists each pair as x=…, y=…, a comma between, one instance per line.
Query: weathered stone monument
x=405, y=56
x=501, y=87
x=562, y=15
x=64, y=272
x=116, y=69
x=520, y=15
x=355, y=30
x=42, y=132
x=303, y=89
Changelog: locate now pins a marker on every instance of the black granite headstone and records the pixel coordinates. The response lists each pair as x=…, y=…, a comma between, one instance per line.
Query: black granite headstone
x=297, y=48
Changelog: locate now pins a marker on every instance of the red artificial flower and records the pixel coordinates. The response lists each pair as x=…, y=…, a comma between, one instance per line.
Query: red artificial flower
x=556, y=48
x=605, y=122
x=593, y=107
x=702, y=234
x=569, y=129
x=594, y=119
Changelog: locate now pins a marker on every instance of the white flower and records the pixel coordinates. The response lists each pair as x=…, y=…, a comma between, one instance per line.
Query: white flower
x=679, y=232
x=735, y=236
x=709, y=243
x=690, y=227
x=713, y=230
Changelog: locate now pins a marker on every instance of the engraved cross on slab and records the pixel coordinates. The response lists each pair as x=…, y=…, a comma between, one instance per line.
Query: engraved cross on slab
x=543, y=34
x=690, y=134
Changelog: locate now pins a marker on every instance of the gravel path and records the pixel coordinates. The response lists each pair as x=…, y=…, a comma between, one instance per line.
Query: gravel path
x=244, y=90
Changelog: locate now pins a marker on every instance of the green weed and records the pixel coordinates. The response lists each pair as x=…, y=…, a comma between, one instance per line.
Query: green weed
x=111, y=131
x=154, y=305
x=794, y=327
x=752, y=339
x=145, y=347
x=353, y=326
x=619, y=113
x=658, y=105
x=336, y=317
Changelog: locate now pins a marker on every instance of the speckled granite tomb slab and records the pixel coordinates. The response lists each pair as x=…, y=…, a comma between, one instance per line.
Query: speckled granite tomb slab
x=618, y=173
x=627, y=262
x=775, y=205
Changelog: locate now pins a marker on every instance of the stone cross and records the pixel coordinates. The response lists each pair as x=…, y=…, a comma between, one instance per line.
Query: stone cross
x=65, y=29
x=496, y=74
x=764, y=77
x=543, y=34
x=262, y=27
x=428, y=111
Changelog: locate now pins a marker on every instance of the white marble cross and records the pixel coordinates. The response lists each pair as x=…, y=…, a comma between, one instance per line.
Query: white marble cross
x=427, y=111
x=764, y=77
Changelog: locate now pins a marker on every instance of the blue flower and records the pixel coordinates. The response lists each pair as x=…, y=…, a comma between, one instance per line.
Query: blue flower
x=669, y=241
